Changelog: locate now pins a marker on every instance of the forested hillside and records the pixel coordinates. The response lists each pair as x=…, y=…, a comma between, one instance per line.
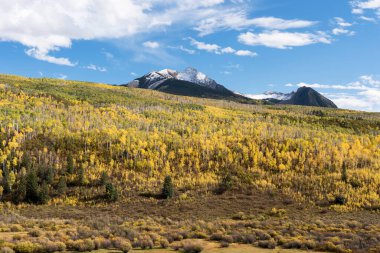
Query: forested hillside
x=63, y=141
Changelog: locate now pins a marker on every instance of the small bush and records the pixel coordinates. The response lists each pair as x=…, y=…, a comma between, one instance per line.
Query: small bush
x=164, y=243
x=224, y=244
x=122, y=244
x=192, y=247
x=82, y=245
x=340, y=200
x=17, y=228
x=6, y=250
x=268, y=244
x=35, y=233
x=49, y=246
x=27, y=247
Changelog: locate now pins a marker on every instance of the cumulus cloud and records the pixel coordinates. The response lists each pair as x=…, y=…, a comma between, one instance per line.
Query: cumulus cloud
x=361, y=6
x=283, y=40
x=245, y=53
x=216, y=49
x=43, y=56
x=238, y=20
x=44, y=27
x=151, y=44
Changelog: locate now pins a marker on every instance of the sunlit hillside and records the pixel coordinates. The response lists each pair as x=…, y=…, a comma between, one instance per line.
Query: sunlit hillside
x=160, y=168
x=81, y=131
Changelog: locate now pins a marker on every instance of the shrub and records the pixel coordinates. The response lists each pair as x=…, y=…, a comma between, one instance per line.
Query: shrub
x=82, y=245
x=27, y=247
x=340, y=200
x=49, y=246
x=17, y=228
x=146, y=244
x=168, y=189
x=102, y=243
x=268, y=244
x=224, y=244
x=35, y=233
x=164, y=243
x=225, y=184
x=6, y=250
x=239, y=216
x=192, y=247
x=122, y=244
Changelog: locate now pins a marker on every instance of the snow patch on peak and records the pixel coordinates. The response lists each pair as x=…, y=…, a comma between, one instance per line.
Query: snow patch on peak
x=194, y=76
x=169, y=73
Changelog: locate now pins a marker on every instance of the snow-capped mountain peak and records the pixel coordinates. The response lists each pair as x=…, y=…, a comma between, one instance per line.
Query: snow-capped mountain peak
x=192, y=75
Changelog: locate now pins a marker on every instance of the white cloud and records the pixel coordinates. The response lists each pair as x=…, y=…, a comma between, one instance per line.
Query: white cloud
x=342, y=22
x=360, y=6
x=228, y=50
x=283, y=40
x=367, y=19
x=186, y=50
x=216, y=49
x=238, y=20
x=245, y=53
x=96, y=68
x=46, y=26
x=62, y=76
x=211, y=48
x=368, y=4
x=151, y=44
x=342, y=27
x=43, y=56
x=339, y=31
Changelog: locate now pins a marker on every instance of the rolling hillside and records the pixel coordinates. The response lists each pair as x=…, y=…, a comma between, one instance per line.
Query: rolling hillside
x=279, y=175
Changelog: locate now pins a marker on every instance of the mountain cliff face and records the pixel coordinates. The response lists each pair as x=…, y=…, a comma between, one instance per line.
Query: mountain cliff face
x=193, y=83
x=309, y=97
x=189, y=82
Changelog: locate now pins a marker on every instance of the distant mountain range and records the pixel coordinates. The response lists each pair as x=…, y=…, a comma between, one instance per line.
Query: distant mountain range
x=189, y=82
x=193, y=83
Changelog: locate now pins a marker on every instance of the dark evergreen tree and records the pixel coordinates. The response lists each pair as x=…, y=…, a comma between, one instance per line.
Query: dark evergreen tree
x=62, y=186
x=70, y=164
x=111, y=192
x=19, y=193
x=5, y=183
x=43, y=193
x=168, y=189
x=104, y=178
x=49, y=176
x=80, y=177
x=344, y=172
x=32, y=194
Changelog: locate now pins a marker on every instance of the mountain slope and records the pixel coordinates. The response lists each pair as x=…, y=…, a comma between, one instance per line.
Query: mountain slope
x=309, y=97
x=189, y=82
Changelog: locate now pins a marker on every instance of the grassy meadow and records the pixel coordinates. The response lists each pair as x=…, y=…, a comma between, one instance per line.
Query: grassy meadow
x=88, y=166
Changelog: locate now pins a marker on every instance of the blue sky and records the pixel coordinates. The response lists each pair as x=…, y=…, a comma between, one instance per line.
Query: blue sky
x=250, y=46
